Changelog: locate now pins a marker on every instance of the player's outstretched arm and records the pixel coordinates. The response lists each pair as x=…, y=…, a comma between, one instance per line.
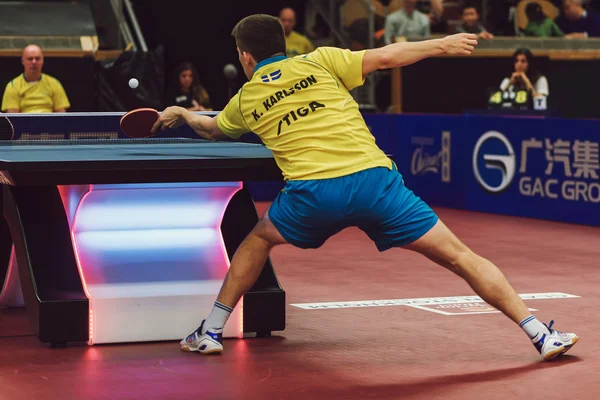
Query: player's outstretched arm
x=203, y=125
x=406, y=53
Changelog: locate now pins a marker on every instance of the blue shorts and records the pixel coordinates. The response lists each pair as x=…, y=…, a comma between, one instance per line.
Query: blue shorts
x=307, y=212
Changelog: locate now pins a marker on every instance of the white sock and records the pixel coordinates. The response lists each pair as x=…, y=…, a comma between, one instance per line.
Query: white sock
x=218, y=317
x=533, y=328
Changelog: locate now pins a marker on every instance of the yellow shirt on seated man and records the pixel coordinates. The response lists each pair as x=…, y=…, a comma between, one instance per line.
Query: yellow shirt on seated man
x=295, y=43
x=45, y=96
x=33, y=91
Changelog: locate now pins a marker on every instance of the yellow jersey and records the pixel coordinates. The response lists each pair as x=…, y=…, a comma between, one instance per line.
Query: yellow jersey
x=43, y=96
x=296, y=44
x=303, y=111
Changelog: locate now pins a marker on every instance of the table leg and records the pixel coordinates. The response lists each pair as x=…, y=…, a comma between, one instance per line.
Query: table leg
x=54, y=297
x=264, y=304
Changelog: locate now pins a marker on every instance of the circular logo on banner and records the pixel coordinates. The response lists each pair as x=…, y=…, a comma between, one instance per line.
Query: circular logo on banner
x=494, y=162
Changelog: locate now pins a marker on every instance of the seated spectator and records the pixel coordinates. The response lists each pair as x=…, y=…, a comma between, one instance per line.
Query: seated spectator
x=34, y=91
x=593, y=5
x=186, y=90
x=539, y=24
x=525, y=76
x=471, y=24
x=577, y=22
x=295, y=43
x=407, y=21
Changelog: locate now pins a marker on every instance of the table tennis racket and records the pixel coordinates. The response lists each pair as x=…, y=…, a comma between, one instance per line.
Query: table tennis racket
x=6, y=129
x=138, y=123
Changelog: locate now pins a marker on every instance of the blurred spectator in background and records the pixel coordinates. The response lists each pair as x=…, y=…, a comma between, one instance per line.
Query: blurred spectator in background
x=34, y=91
x=587, y=4
x=539, y=24
x=471, y=23
x=186, y=90
x=295, y=43
x=407, y=21
x=434, y=9
x=577, y=22
x=525, y=76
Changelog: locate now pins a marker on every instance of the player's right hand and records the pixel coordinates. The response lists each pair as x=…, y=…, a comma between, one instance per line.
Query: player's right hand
x=459, y=44
x=171, y=117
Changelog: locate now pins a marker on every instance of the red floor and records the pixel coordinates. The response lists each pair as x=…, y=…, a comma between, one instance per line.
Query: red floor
x=392, y=352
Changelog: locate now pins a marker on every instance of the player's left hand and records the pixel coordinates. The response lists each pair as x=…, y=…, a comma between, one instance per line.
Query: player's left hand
x=171, y=117
x=459, y=44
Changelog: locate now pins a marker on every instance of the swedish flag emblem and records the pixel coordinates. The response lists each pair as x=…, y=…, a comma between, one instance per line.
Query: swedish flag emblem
x=273, y=76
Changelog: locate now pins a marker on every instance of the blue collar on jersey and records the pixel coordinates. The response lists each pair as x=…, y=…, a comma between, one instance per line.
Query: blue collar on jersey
x=269, y=60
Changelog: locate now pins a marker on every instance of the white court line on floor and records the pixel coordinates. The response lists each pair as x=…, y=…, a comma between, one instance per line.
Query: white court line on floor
x=433, y=310
x=425, y=301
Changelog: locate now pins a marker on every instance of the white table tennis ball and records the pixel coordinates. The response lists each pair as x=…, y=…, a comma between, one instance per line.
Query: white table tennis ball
x=133, y=83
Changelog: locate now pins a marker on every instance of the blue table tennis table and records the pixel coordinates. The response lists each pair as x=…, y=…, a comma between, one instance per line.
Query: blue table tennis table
x=127, y=240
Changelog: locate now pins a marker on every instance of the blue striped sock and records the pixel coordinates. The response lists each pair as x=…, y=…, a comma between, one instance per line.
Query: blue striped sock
x=533, y=327
x=218, y=317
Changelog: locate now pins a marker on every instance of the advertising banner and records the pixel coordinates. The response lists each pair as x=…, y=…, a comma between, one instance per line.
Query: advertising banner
x=536, y=167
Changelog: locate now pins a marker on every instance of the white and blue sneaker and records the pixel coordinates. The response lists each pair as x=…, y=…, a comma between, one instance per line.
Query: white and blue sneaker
x=554, y=344
x=210, y=342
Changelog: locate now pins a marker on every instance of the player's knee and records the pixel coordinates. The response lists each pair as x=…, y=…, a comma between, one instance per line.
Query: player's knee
x=463, y=260
x=266, y=232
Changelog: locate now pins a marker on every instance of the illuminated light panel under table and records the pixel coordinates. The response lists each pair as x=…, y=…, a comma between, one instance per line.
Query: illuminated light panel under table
x=150, y=253
x=134, y=260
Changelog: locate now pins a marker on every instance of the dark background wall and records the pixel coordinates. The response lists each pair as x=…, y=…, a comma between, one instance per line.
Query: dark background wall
x=200, y=31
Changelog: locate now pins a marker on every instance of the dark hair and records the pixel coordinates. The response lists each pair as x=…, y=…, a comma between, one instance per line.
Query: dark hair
x=532, y=72
x=534, y=12
x=467, y=6
x=197, y=91
x=260, y=35
x=184, y=66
